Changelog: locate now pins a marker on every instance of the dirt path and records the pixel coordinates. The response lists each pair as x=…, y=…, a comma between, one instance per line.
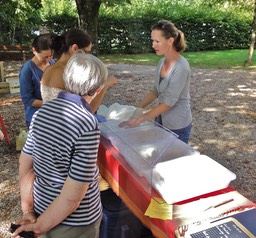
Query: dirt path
x=224, y=119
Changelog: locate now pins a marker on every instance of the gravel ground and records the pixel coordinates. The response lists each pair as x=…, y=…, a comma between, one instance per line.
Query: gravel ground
x=224, y=117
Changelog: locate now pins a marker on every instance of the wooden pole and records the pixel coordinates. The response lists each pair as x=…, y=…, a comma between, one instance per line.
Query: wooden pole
x=2, y=79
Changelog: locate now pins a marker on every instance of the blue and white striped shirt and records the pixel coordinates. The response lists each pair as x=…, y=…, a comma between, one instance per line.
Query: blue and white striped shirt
x=63, y=141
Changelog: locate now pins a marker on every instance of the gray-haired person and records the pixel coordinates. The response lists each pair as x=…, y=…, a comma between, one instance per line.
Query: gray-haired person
x=58, y=174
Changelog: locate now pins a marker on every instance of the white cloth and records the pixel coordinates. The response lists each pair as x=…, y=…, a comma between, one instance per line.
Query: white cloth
x=118, y=112
x=190, y=176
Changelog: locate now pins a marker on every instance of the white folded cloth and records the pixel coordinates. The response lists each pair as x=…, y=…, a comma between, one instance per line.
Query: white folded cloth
x=190, y=176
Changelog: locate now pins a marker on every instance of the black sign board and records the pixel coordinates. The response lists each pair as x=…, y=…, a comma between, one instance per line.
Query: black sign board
x=226, y=228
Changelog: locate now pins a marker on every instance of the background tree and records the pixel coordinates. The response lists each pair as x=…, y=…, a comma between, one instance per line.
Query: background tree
x=59, y=15
x=88, y=12
x=251, y=48
x=17, y=20
x=88, y=16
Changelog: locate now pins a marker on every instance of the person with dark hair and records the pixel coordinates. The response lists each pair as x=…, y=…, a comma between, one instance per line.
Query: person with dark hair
x=172, y=84
x=64, y=47
x=58, y=171
x=61, y=44
x=31, y=73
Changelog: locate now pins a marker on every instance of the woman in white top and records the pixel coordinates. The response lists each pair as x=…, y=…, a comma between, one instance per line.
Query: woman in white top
x=64, y=47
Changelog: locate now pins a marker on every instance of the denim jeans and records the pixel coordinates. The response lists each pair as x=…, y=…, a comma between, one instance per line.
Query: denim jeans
x=184, y=133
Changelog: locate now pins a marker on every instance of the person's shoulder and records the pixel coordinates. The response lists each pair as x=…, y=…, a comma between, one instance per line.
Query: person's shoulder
x=183, y=61
x=27, y=66
x=53, y=76
x=56, y=67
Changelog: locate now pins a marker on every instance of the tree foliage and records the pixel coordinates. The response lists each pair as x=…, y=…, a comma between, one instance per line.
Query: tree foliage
x=206, y=27
x=203, y=21
x=57, y=8
x=17, y=20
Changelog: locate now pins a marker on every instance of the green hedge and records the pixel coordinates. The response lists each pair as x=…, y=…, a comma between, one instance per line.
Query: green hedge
x=127, y=29
x=124, y=36
x=128, y=35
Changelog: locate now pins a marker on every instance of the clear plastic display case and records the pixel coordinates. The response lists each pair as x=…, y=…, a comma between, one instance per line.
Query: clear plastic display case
x=161, y=163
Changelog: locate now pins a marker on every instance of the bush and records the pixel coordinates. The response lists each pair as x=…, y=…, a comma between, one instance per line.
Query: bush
x=133, y=35
x=127, y=29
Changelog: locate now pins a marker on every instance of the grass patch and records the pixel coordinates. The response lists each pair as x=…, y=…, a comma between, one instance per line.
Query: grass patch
x=143, y=59
x=223, y=59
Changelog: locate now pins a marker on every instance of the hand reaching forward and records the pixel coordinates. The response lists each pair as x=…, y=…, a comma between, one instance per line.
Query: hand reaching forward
x=133, y=122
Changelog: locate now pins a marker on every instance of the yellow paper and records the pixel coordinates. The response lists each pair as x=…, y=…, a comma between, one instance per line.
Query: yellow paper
x=158, y=208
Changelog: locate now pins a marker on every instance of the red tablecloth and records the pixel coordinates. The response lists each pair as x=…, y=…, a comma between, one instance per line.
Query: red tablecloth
x=130, y=188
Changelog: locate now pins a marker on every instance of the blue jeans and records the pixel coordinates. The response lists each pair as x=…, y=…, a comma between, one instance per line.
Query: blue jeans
x=184, y=133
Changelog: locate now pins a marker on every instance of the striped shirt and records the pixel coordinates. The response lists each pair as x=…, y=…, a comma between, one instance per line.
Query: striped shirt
x=63, y=141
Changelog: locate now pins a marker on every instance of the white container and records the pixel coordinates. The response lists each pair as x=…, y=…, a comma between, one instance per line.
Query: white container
x=189, y=176
x=14, y=85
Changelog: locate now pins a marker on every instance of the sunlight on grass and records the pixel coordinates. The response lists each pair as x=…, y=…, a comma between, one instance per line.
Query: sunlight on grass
x=143, y=59
x=224, y=59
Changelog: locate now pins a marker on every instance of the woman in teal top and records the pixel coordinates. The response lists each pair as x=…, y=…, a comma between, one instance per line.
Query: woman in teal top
x=31, y=73
x=172, y=84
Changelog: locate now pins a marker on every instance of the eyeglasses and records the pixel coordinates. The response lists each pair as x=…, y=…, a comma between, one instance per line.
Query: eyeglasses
x=163, y=26
x=168, y=28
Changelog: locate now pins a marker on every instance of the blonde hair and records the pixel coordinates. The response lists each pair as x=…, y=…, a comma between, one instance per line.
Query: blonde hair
x=170, y=30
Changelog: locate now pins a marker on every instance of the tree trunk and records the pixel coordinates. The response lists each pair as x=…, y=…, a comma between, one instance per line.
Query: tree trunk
x=88, y=11
x=252, y=42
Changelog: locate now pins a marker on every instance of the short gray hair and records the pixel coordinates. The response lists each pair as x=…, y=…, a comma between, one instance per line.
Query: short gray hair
x=84, y=74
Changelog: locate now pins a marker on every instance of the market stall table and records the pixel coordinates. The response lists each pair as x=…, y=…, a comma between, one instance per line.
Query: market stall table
x=131, y=189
